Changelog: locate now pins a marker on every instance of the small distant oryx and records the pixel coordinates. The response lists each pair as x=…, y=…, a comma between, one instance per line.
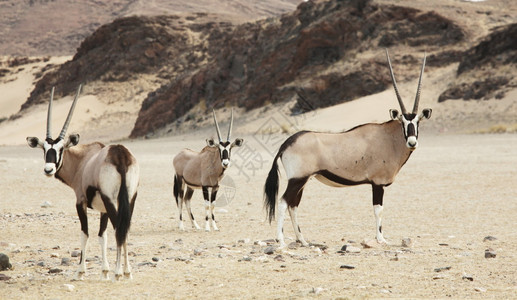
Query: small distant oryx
x=104, y=178
x=366, y=154
x=202, y=170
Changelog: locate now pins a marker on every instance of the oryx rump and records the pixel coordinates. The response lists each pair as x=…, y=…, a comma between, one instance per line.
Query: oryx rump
x=104, y=178
x=367, y=154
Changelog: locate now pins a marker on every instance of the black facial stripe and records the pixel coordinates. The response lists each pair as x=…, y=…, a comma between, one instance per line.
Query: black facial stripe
x=411, y=130
x=225, y=154
x=224, y=144
x=51, y=156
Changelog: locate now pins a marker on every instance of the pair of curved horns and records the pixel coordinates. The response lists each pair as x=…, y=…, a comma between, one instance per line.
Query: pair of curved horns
x=219, y=131
x=68, y=118
x=417, y=98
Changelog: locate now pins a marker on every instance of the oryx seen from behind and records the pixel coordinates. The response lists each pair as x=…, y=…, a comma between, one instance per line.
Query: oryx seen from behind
x=104, y=178
x=203, y=170
x=367, y=154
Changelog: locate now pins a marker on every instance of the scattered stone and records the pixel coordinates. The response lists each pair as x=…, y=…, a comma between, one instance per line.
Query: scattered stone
x=69, y=287
x=269, y=250
x=320, y=246
x=41, y=264
x=443, y=244
x=222, y=211
x=198, y=252
x=467, y=277
x=260, y=243
x=147, y=264
x=293, y=245
x=442, y=269
x=246, y=258
x=317, y=290
x=75, y=253
x=407, y=243
x=369, y=243
x=279, y=258
x=55, y=270
x=54, y=254
x=46, y=204
x=480, y=289
x=490, y=253
x=349, y=267
x=244, y=241
x=4, y=262
x=438, y=276
x=65, y=261
x=316, y=250
x=56, y=247
x=4, y=277
x=352, y=249
x=156, y=259
x=385, y=291
x=489, y=238
x=270, y=241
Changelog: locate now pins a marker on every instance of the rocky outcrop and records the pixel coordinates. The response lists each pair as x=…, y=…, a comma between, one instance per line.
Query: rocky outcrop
x=483, y=71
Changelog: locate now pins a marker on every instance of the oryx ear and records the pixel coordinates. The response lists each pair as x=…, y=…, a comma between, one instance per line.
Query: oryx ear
x=211, y=143
x=394, y=114
x=34, y=142
x=238, y=142
x=73, y=140
x=426, y=113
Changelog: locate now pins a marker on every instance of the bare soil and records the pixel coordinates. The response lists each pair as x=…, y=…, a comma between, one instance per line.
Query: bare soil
x=453, y=192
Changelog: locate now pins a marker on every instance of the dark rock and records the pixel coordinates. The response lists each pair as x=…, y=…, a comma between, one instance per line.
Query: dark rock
x=442, y=269
x=490, y=253
x=4, y=277
x=65, y=261
x=269, y=250
x=156, y=259
x=4, y=262
x=349, y=267
x=55, y=271
x=489, y=238
x=467, y=277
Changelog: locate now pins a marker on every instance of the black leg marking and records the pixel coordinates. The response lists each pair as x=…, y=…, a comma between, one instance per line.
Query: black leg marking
x=103, y=223
x=83, y=218
x=293, y=192
x=110, y=209
x=378, y=194
x=181, y=217
x=188, y=194
x=205, y=193
x=213, y=217
x=206, y=218
x=299, y=230
x=380, y=229
x=214, y=193
x=192, y=216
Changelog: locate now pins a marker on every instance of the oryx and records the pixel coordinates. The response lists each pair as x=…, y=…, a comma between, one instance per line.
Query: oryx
x=104, y=178
x=203, y=170
x=366, y=154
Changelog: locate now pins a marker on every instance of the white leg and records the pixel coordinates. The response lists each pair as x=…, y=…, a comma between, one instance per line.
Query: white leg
x=282, y=207
x=82, y=264
x=103, y=241
x=127, y=267
x=212, y=206
x=191, y=216
x=294, y=220
x=118, y=267
x=377, y=210
x=207, y=215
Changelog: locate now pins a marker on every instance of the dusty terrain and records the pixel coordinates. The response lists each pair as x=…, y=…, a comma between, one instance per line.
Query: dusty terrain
x=454, y=191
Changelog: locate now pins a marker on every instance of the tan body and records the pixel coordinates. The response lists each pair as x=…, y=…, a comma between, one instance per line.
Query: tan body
x=371, y=153
x=199, y=169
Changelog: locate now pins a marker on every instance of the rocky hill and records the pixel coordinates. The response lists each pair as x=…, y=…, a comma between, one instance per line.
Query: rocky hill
x=333, y=50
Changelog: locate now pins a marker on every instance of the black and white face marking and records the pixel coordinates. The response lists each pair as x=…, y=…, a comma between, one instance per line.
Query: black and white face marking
x=53, y=151
x=410, y=125
x=225, y=149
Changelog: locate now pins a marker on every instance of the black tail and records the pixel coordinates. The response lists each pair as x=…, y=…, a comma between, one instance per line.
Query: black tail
x=271, y=190
x=123, y=213
x=177, y=187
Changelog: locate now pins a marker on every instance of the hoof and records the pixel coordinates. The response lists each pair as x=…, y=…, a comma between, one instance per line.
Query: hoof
x=128, y=276
x=118, y=277
x=79, y=276
x=105, y=275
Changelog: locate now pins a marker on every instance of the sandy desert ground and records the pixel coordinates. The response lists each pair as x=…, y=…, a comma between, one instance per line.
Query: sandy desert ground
x=453, y=192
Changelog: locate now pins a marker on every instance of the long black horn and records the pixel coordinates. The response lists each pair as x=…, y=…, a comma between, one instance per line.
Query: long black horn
x=417, y=98
x=230, y=129
x=49, y=115
x=395, y=84
x=70, y=113
x=217, y=127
